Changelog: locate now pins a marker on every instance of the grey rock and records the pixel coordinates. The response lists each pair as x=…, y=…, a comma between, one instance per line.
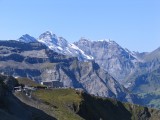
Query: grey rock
x=119, y=62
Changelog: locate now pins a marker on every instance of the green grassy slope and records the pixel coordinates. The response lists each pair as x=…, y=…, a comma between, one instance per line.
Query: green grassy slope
x=64, y=101
x=11, y=108
x=69, y=104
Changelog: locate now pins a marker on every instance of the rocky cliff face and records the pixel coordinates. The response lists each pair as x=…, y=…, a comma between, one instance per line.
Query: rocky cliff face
x=136, y=71
x=119, y=62
x=36, y=61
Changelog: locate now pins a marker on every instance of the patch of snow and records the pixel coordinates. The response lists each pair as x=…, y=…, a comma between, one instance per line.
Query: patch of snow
x=82, y=52
x=127, y=85
x=132, y=53
x=105, y=40
x=59, y=48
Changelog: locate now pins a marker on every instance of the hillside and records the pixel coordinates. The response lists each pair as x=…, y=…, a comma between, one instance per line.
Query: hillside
x=66, y=104
x=75, y=105
x=11, y=108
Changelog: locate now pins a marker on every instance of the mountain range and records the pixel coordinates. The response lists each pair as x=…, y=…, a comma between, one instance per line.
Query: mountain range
x=36, y=61
x=108, y=54
x=120, y=62
x=57, y=44
x=98, y=67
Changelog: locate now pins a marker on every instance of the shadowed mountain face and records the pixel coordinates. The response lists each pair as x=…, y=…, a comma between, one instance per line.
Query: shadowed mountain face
x=146, y=79
x=36, y=61
x=147, y=82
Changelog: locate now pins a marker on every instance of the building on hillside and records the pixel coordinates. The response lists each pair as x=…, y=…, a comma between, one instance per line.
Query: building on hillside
x=18, y=88
x=52, y=84
x=28, y=88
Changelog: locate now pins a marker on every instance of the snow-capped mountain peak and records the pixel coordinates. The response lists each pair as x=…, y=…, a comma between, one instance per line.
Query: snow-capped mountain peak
x=48, y=34
x=61, y=45
x=47, y=38
x=26, y=38
x=57, y=44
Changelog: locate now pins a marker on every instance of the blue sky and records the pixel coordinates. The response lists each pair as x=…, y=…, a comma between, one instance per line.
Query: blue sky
x=134, y=24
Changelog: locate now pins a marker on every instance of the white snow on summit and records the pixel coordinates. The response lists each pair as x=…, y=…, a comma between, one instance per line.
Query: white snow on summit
x=57, y=44
x=61, y=45
x=104, y=40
